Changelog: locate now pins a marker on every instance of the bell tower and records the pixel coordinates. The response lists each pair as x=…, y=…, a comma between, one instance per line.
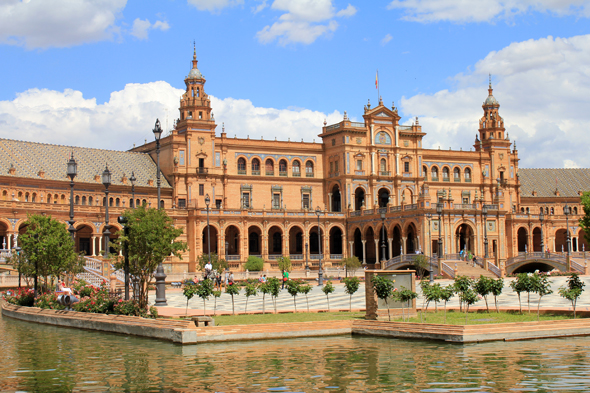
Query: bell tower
x=491, y=125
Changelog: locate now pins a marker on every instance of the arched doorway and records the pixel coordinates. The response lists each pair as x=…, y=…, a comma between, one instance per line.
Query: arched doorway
x=359, y=198
x=370, y=252
x=411, y=241
x=336, y=242
x=315, y=241
x=232, y=241
x=522, y=238
x=537, y=240
x=275, y=241
x=4, y=235
x=397, y=241
x=464, y=238
x=407, y=196
x=83, y=240
x=336, y=199
x=205, y=238
x=383, y=197
x=296, y=242
x=560, y=241
x=582, y=242
x=358, y=245
x=254, y=241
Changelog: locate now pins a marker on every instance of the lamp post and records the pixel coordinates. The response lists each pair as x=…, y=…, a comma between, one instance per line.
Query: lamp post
x=123, y=221
x=17, y=249
x=428, y=217
x=541, y=218
x=566, y=211
x=318, y=211
x=484, y=213
x=207, y=201
x=383, y=237
x=439, y=209
x=306, y=263
x=72, y=171
x=132, y=179
x=157, y=135
x=106, y=181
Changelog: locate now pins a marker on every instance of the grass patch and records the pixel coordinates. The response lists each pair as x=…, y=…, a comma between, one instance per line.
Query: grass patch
x=479, y=318
x=249, y=319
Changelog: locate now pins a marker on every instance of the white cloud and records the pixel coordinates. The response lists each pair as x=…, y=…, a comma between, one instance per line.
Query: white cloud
x=259, y=7
x=129, y=115
x=543, y=87
x=386, y=39
x=304, y=21
x=141, y=27
x=57, y=23
x=485, y=10
x=214, y=5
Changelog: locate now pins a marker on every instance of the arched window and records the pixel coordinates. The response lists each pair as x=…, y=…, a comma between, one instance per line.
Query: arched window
x=83, y=200
x=241, y=166
x=434, y=173
x=161, y=204
x=283, y=168
x=424, y=171
x=198, y=92
x=575, y=208
x=527, y=210
x=117, y=202
x=104, y=201
x=4, y=195
x=34, y=199
x=309, y=169
x=27, y=197
x=546, y=210
x=541, y=210
x=48, y=198
x=457, y=174
x=143, y=202
x=383, y=165
x=55, y=198
x=552, y=211
x=137, y=202
x=77, y=200
x=445, y=174
x=90, y=201
x=63, y=199
x=296, y=168
x=269, y=167
x=111, y=202
x=256, y=166
x=467, y=174
x=522, y=210
x=131, y=203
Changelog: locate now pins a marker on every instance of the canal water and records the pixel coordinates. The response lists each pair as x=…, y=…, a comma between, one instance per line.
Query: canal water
x=46, y=358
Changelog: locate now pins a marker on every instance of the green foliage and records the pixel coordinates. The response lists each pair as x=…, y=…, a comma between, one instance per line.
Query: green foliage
x=128, y=307
x=251, y=289
x=574, y=288
x=48, y=300
x=254, y=264
x=216, y=294
x=293, y=289
x=305, y=289
x=20, y=297
x=328, y=288
x=431, y=293
x=483, y=287
x=150, y=238
x=420, y=264
x=274, y=286
x=284, y=264
x=352, y=264
x=522, y=283
x=204, y=290
x=468, y=297
x=584, y=222
x=383, y=288
x=98, y=302
x=218, y=264
x=496, y=289
x=540, y=285
x=82, y=288
x=351, y=285
x=233, y=290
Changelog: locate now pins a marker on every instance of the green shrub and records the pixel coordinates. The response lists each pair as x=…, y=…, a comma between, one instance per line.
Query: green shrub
x=254, y=264
x=48, y=300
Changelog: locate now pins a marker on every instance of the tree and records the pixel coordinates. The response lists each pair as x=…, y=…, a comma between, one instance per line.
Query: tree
x=274, y=284
x=254, y=264
x=151, y=237
x=520, y=284
x=446, y=294
x=328, y=288
x=483, y=287
x=574, y=289
x=468, y=297
x=540, y=285
x=216, y=294
x=251, y=290
x=189, y=290
x=405, y=296
x=233, y=289
x=585, y=221
x=496, y=289
x=420, y=264
x=293, y=289
x=462, y=284
x=47, y=250
x=284, y=264
x=265, y=289
x=351, y=285
x=351, y=264
x=305, y=289
x=204, y=290
x=383, y=288
x=218, y=264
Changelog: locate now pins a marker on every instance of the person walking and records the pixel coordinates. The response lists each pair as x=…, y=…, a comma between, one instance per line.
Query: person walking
x=226, y=279
x=285, y=278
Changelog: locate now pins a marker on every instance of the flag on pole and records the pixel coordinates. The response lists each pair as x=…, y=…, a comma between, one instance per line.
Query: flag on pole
x=377, y=80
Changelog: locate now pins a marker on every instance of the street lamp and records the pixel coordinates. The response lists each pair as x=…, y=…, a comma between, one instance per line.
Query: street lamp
x=158, y=134
x=383, y=236
x=318, y=211
x=72, y=171
x=17, y=249
x=123, y=221
x=484, y=213
x=541, y=218
x=567, y=211
x=439, y=209
x=207, y=201
x=132, y=179
x=306, y=263
x=106, y=181
x=428, y=217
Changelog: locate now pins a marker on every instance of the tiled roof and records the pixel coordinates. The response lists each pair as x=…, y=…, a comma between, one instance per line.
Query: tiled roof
x=29, y=158
x=569, y=182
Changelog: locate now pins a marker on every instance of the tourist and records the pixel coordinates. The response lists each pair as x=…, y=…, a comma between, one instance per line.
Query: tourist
x=218, y=281
x=260, y=280
x=63, y=288
x=285, y=278
x=208, y=268
x=226, y=278
x=264, y=278
x=231, y=278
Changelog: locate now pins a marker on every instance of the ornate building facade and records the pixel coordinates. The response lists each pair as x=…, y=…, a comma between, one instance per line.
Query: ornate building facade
x=368, y=189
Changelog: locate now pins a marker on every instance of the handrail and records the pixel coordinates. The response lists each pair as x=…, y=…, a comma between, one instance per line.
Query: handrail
x=576, y=266
x=448, y=270
x=494, y=269
x=536, y=255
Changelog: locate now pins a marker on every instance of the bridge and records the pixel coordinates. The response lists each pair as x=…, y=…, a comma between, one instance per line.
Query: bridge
x=407, y=261
x=542, y=261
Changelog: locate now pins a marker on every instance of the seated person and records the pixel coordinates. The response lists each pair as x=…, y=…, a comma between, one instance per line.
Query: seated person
x=63, y=288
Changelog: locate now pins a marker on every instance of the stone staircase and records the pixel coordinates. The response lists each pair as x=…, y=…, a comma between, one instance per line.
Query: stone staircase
x=467, y=269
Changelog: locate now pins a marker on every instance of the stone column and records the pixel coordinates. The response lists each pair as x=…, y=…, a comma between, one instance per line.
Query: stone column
x=8, y=236
x=397, y=164
x=351, y=248
x=99, y=244
x=93, y=246
x=286, y=247
x=390, y=242
x=343, y=247
x=372, y=163
x=330, y=201
x=364, y=251
x=404, y=245
x=377, y=254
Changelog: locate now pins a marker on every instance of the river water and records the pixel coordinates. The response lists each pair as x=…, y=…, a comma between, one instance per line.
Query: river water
x=46, y=358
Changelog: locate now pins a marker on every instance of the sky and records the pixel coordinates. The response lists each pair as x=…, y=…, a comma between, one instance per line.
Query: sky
x=97, y=73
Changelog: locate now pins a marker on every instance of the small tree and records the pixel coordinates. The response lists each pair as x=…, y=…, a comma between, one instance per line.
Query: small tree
x=265, y=289
x=483, y=287
x=383, y=288
x=216, y=294
x=274, y=284
x=468, y=297
x=284, y=264
x=293, y=289
x=218, y=264
x=351, y=285
x=351, y=264
x=328, y=288
x=425, y=287
x=233, y=289
x=305, y=289
x=420, y=264
x=540, y=285
x=496, y=288
x=405, y=296
x=204, y=290
x=251, y=290
x=520, y=284
x=254, y=264
x=190, y=289
x=574, y=289
x=462, y=284
x=446, y=294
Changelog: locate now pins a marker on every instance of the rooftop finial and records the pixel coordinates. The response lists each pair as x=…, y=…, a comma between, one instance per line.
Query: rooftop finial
x=490, y=75
x=194, y=50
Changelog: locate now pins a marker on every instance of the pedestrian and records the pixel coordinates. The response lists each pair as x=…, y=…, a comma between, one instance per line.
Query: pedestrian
x=218, y=280
x=285, y=278
x=260, y=280
x=226, y=278
x=461, y=253
x=231, y=278
x=264, y=278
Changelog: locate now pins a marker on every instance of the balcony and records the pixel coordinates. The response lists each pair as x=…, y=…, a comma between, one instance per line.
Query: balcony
x=457, y=179
x=467, y=180
x=283, y=173
x=270, y=173
x=255, y=172
x=446, y=179
x=309, y=174
x=241, y=171
x=385, y=173
x=434, y=178
x=202, y=171
x=296, y=174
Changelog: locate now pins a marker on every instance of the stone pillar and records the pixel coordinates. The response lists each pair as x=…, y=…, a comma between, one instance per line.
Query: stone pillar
x=343, y=247
x=286, y=247
x=390, y=242
x=8, y=236
x=93, y=246
x=330, y=201
x=377, y=253
x=99, y=244
x=397, y=164
x=351, y=248
x=404, y=245
x=372, y=163
x=364, y=251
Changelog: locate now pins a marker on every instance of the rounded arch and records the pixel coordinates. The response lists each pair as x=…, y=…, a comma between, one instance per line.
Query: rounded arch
x=205, y=236
x=434, y=172
x=396, y=247
x=241, y=165
x=83, y=238
x=232, y=240
x=283, y=167
x=407, y=196
x=359, y=198
x=4, y=229
x=370, y=245
x=467, y=174
x=561, y=240
x=296, y=168
x=582, y=242
x=336, y=235
x=446, y=173
x=336, y=198
x=309, y=168
x=358, y=244
x=254, y=240
x=465, y=237
x=522, y=236
x=383, y=197
x=275, y=240
x=537, y=239
x=255, y=166
x=269, y=167
x=457, y=173
x=296, y=237
x=425, y=172
x=411, y=238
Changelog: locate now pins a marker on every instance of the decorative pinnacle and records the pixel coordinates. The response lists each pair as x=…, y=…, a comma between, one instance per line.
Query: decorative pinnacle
x=194, y=50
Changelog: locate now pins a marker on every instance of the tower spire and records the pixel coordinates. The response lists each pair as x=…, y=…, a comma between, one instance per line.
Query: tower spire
x=194, y=50
x=490, y=90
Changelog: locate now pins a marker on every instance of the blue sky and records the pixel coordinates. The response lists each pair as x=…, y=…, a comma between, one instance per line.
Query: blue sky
x=98, y=73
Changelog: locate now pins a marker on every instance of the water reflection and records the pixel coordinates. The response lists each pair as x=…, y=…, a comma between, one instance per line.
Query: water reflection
x=45, y=358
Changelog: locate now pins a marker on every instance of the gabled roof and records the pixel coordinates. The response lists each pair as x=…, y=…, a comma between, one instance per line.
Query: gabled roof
x=568, y=181
x=29, y=158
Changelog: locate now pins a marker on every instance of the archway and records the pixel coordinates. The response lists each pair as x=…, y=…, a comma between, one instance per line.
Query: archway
x=522, y=238
x=358, y=245
x=582, y=243
x=254, y=241
x=232, y=240
x=464, y=238
x=315, y=241
x=205, y=237
x=560, y=241
x=296, y=242
x=370, y=252
x=83, y=240
x=407, y=196
x=411, y=245
x=397, y=241
x=336, y=242
x=4, y=235
x=275, y=241
x=336, y=199
x=383, y=197
x=537, y=240
x=359, y=198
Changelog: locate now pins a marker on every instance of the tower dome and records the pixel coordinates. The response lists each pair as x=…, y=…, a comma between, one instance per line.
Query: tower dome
x=194, y=72
x=491, y=100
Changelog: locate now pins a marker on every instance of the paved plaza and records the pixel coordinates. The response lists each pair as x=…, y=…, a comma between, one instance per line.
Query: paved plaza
x=339, y=300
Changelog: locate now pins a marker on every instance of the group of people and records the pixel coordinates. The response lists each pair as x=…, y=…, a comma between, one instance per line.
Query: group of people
x=467, y=256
